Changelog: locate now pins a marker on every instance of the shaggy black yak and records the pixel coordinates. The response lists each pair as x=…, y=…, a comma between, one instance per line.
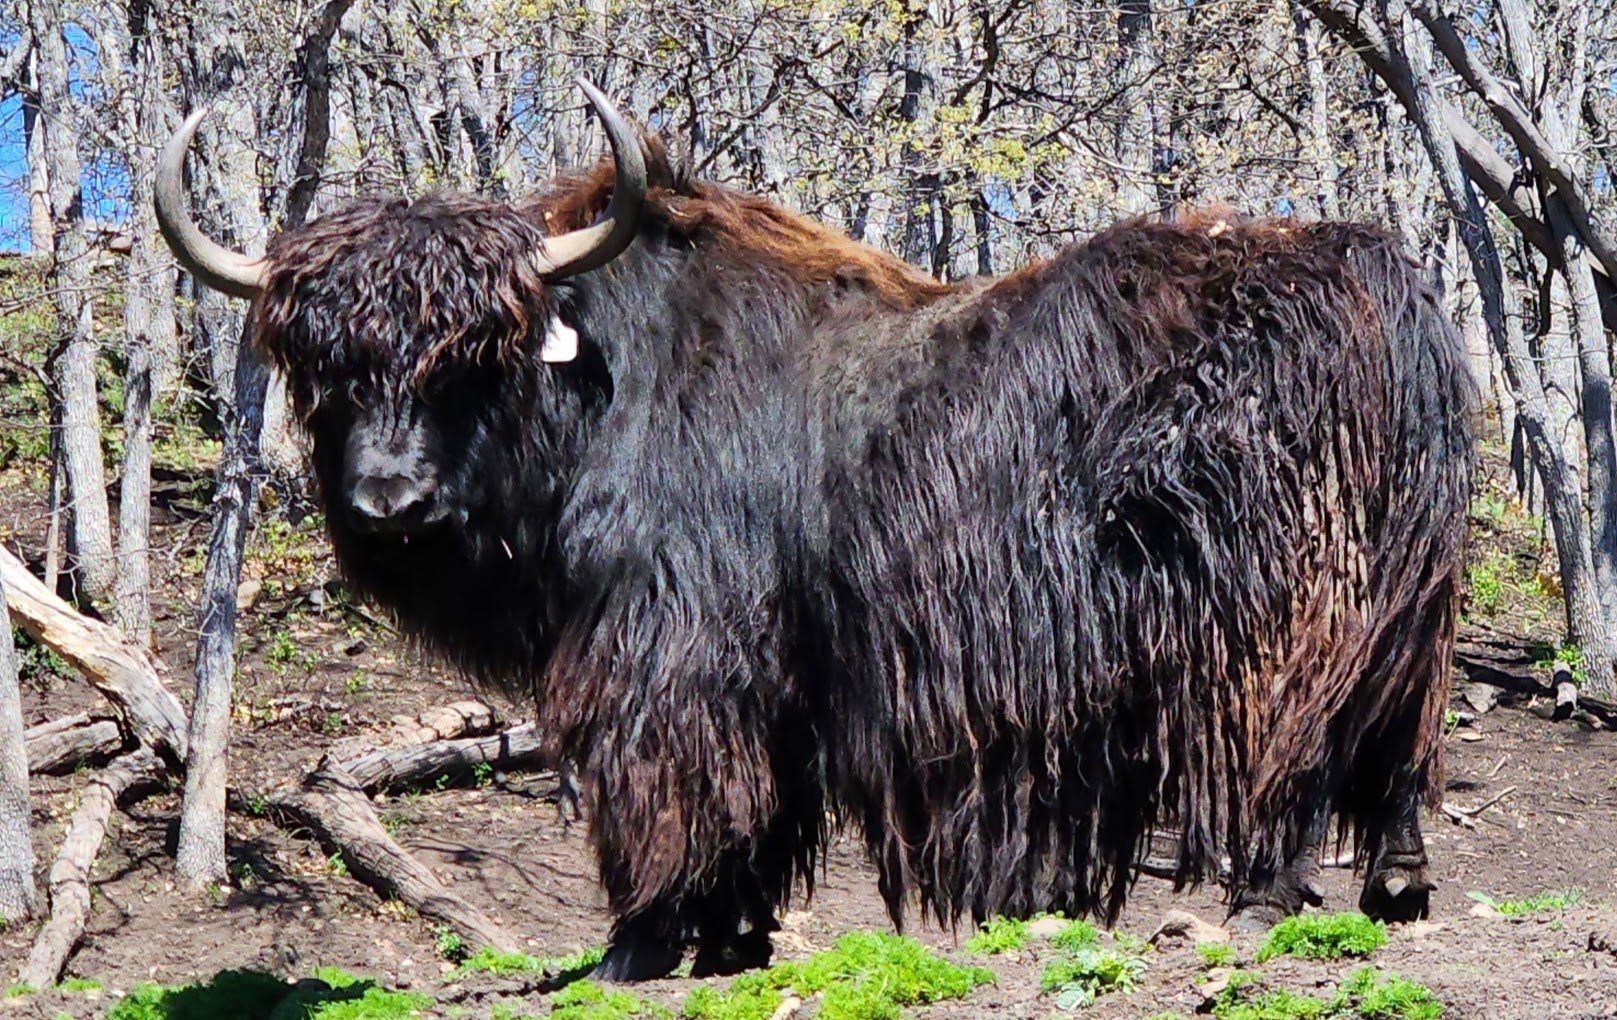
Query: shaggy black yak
x=781, y=533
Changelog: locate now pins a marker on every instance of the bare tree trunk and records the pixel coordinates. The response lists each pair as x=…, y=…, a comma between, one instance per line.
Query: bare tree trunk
x=89, y=518
x=200, y=858
x=1321, y=151
x=1562, y=501
x=982, y=231
x=920, y=183
x=151, y=346
x=18, y=896
x=1598, y=641
x=133, y=596
x=40, y=234
x=1136, y=129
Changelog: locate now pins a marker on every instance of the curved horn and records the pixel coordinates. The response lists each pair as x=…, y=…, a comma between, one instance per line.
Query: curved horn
x=579, y=251
x=210, y=262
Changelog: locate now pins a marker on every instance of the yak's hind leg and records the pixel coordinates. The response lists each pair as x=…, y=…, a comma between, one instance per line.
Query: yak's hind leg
x=1271, y=895
x=1396, y=885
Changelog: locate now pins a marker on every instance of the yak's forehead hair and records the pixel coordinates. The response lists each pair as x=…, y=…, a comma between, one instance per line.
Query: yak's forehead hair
x=403, y=285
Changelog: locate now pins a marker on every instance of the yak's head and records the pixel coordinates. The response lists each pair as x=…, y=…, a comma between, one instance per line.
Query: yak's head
x=403, y=327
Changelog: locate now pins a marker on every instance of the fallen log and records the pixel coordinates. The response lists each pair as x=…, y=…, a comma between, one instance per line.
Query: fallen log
x=332, y=806
x=446, y=722
x=120, y=670
x=70, y=875
x=67, y=743
x=400, y=768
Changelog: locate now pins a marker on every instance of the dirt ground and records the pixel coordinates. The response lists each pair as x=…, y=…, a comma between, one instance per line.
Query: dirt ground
x=318, y=675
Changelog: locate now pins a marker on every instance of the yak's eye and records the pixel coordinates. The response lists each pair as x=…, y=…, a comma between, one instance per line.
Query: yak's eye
x=358, y=390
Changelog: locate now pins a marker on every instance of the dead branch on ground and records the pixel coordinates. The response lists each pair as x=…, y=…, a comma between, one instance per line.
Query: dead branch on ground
x=121, y=671
x=402, y=768
x=67, y=743
x=70, y=875
x=332, y=806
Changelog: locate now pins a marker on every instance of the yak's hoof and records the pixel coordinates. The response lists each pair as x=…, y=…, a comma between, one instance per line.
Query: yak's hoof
x=631, y=959
x=1310, y=883
x=720, y=957
x=1397, y=894
x=1256, y=918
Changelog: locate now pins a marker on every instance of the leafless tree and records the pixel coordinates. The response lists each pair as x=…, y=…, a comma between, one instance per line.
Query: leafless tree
x=18, y=897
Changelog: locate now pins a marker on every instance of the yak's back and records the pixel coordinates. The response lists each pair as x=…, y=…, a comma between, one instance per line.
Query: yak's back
x=1168, y=526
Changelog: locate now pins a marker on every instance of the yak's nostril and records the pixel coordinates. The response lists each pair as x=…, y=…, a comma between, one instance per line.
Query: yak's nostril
x=380, y=501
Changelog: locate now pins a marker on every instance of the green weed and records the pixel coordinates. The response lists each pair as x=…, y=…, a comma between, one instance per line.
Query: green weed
x=1216, y=954
x=1558, y=899
x=1079, y=979
x=489, y=961
x=866, y=976
x=1365, y=994
x=79, y=985
x=998, y=935
x=450, y=945
x=586, y=1000
x=1075, y=936
x=1324, y=937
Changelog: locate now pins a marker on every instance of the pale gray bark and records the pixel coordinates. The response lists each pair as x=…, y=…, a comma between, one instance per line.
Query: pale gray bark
x=1562, y=501
x=1321, y=149
x=40, y=233
x=89, y=517
x=1137, y=115
x=200, y=856
x=18, y=895
x=151, y=344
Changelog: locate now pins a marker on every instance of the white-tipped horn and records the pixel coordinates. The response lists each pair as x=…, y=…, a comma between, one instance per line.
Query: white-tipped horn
x=594, y=246
x=206, y=259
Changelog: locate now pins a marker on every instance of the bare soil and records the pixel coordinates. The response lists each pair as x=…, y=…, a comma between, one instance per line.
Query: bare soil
x=318, y=675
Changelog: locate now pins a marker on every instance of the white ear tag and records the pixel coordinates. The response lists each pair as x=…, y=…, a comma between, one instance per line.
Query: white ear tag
x=561, y=341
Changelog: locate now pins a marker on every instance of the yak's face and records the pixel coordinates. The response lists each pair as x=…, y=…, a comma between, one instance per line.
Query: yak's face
x=393, y=457
x=411, y=335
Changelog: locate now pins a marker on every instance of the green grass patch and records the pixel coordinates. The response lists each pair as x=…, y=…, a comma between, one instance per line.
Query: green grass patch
x=744, y=1000
x=1075, y=936
x=998, y=935
x=1080, y=978
x=491, y=961
x=866, y=976
x=79, y=985
x=586, y=1000
x=250, y=995
x=1324, y=937
x=1365, y=994
x=1558, y=899
x=1381, y=996
x=563, y=968
x=17, y=991
x=1216, y=954
x=1486, y=583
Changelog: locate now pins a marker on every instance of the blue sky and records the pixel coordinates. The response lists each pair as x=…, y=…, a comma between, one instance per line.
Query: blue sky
x=104, y=181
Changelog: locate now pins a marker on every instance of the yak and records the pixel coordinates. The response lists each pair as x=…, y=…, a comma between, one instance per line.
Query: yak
x=782, y=535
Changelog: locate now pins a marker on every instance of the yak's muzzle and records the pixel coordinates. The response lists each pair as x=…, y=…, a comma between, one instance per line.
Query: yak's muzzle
x=394, y=503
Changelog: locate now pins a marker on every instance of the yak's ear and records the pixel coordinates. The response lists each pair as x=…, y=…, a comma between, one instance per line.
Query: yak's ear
x=561, y=342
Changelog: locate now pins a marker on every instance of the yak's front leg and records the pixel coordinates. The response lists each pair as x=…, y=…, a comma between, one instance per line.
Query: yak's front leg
x=643, y=947
x=1270, y=897
x=1397, y=886
x=735, y=923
